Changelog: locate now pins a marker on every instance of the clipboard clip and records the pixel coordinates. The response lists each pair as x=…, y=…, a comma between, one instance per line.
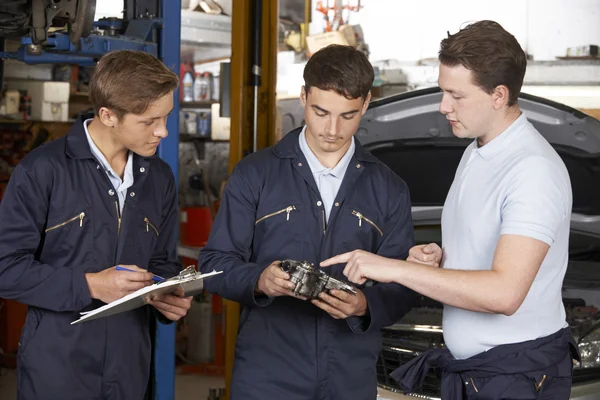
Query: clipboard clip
x=189, y=272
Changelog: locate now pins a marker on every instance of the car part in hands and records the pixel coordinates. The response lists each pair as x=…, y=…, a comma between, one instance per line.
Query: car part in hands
x=310, y=281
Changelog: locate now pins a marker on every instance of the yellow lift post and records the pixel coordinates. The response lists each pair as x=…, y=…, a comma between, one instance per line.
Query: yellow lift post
x=246, y=120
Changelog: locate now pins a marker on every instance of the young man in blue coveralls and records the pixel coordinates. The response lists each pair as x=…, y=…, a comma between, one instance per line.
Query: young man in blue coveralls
x=313, y=195
x=73, y=210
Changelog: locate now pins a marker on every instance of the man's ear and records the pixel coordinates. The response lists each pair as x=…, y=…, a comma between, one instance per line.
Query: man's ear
x=108, y=117
x=366, y=104
x=500, y=97
x=303, y=96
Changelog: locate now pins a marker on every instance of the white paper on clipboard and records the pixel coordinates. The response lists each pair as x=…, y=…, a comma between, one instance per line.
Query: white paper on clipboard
x=189, y=280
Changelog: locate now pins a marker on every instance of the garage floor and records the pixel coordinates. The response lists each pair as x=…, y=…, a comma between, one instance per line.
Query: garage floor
x=187, y=387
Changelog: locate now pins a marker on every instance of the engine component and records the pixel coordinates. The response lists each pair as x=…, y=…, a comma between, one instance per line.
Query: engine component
x=82, y=23
x=77, y=15
x=310, y=281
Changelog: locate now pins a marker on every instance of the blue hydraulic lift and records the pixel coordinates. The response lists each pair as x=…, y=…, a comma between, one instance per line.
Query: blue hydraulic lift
x=170, y=53
x=156, y=34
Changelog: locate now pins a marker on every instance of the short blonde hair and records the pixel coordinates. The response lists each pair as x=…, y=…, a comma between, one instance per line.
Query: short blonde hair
x=128, y=81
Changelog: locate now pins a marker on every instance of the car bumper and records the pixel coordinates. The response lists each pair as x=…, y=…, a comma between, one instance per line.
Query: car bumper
x=386, y=394
x=582, y=391
x=586, y=391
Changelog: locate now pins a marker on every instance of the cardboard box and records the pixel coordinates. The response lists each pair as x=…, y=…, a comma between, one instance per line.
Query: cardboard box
x=10, y=102
x=49, y=100
x=315, y=43
x=346, y=36
x=220, y=126
x=350, y=34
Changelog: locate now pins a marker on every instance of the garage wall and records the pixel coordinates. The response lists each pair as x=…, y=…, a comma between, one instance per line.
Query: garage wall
x=412, y=30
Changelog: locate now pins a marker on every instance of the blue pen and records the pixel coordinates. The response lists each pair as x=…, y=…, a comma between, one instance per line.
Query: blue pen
x=155, y=278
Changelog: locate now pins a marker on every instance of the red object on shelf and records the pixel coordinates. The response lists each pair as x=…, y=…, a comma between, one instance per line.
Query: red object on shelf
x=195, y=225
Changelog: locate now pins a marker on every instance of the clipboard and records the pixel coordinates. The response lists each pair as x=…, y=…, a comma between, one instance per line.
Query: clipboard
x=189, y=280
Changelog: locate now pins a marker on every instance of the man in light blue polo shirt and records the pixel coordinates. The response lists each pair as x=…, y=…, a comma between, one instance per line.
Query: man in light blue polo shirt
x=505, y=232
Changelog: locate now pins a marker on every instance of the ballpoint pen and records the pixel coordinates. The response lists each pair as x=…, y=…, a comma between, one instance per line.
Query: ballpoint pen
x=155, y=278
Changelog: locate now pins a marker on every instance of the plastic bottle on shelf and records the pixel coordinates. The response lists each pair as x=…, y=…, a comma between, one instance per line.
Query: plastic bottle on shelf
x=208, y=82
x=216, y=89
x=198, y=87
x=188, y=86
x=203, y=85
x=204, y=123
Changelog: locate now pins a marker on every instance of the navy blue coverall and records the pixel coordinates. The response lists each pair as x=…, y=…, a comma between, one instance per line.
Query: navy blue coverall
x=537, y=369
x=59, y=220
x=271, y=210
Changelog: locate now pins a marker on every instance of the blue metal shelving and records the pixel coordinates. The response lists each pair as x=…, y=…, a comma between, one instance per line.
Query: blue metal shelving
x=169, y=50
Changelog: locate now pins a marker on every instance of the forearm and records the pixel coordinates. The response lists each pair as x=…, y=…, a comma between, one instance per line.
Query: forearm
x=481, y=291
x=30, y=282
x=238, y=280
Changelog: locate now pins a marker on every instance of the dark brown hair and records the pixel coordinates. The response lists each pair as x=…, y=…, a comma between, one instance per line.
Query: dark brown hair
x=128, y=81
x=492, y=53
x=343, y=69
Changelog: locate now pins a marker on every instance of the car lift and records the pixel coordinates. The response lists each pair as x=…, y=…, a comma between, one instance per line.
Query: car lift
x=148, y=25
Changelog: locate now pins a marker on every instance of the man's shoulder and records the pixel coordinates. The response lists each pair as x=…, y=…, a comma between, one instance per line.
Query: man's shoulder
x=45, y=156
x=534, y=163
x=258, y=162
x=160, y=167
x=535, y=155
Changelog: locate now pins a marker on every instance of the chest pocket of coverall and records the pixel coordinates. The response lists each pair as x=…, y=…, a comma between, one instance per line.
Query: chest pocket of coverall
x=363, y=227
x=69, y=230
x=280, y=226
x=147, y=230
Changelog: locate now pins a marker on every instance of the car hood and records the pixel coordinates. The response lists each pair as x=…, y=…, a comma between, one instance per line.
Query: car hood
x=409, y=134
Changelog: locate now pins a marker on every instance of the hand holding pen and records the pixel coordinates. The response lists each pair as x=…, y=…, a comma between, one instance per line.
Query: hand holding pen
x=113, y=283
x=155, y=278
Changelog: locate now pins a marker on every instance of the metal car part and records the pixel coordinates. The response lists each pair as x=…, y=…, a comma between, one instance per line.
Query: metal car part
x=82, y=24
x=310, y=282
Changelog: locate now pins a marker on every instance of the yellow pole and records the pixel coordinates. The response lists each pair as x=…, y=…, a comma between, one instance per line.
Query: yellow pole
x=240, y=143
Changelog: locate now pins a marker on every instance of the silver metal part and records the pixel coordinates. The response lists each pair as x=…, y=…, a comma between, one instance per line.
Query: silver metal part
x=310, y=281
x=188, y=272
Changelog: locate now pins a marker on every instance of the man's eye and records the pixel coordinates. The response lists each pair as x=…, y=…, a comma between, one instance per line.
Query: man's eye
x=321, y=115
x=456, y=97
x=348, y=117
x=148, y=123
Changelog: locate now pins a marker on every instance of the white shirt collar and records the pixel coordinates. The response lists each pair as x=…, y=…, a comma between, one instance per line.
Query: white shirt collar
x=127, y=180
x=500, y=142
x=315, y=165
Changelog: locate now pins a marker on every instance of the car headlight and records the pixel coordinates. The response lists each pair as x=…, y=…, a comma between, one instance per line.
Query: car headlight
x=589, y=349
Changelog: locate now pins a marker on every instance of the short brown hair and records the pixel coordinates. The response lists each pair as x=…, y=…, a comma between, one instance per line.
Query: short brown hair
x=128, y=81
x=343, y=69
x=492, y=53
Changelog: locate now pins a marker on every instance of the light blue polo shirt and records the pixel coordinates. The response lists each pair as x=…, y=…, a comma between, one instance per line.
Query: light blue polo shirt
x=516, y=184
x=328, y=180
x=120, y=185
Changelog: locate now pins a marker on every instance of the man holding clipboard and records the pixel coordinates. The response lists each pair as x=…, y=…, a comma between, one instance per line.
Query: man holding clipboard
x=76, y=208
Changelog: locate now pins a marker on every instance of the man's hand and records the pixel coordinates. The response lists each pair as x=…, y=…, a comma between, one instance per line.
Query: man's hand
x=173, y=306
x=362, y=265
x=274, y=282
x=341, y=305
x=110, y=285
x=429, y=254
